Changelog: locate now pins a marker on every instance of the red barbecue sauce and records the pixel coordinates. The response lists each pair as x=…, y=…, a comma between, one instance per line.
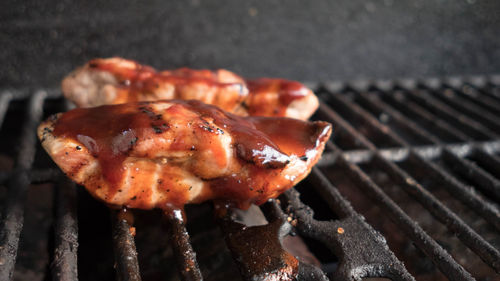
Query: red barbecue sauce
x=142, y=79
x=264, y=143
x=287, y=91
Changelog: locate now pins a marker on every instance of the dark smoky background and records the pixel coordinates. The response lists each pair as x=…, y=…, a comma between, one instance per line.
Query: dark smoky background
x=305, y=40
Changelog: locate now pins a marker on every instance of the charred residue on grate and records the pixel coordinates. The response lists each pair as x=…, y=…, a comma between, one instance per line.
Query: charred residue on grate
x=417, y=263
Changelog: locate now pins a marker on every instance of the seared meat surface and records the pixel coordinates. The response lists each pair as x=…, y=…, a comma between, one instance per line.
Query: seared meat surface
x=165, y=154
x=280, y=97
x=117, y=80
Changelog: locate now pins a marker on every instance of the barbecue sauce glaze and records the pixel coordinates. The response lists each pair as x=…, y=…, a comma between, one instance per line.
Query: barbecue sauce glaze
x=139, y=81
x=264, y=144
x=266, y=97
x=273, y=105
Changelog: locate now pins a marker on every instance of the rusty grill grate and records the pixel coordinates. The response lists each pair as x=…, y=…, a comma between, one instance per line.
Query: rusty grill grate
x=429, y=143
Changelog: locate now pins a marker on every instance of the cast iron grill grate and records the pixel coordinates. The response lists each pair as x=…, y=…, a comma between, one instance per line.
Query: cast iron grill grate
x=392, y=141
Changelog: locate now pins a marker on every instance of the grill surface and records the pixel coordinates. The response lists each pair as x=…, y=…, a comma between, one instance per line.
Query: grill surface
x=419, y=160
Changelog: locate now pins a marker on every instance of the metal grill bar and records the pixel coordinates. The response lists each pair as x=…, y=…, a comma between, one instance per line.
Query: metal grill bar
x=400, y=120
x=186, y=257
x=127, y=266
x=483, y=180
x=413, y=118
x=35, y=175
x=13, y=216
x=428, y=152
x=480, y=97
x=480, y=246
x=488, y=160
x=464, y=193
x=64, y=264
x=5, y=99
x=377, y=133
x=403, y=120
x=330, y=194
x=466, y=234
x=18, y=94
x=43, y=175
x=257, y=249
x=492, y=88
x=455, y=270
x=438, y=127
x=373, y=122
x=471, y=127
x=451, y=97
x=345, y=235
x=329, y=114
x=424, y=242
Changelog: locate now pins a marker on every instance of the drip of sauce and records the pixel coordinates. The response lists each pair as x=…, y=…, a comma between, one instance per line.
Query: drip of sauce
x=126, y=215
x=263, y=145
x=263, y=91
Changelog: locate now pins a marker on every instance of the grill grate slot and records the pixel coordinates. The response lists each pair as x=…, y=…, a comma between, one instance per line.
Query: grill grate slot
x=427, y=199
x=489, y=162
x=405, y=127
x=464, y=193
x=481, y=178
x=377, y=133
x=13, y=215
x=423, y=136
x=478, y=113
x=437, y=126
x=475, y=242
x=430, y=247
x=460, y=121
x=492, y=89
x=479, y=97
x=355, y=140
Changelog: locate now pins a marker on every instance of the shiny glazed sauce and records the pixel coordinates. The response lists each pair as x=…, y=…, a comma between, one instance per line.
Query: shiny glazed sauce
x=266, y=97
x=263, y=144
x=287, y=91
x=142, y=80
x=294, y=138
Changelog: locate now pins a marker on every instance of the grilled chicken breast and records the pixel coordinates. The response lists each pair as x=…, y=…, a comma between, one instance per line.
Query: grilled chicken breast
x=280, y=97
x=165, y=154
x=117, y=80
